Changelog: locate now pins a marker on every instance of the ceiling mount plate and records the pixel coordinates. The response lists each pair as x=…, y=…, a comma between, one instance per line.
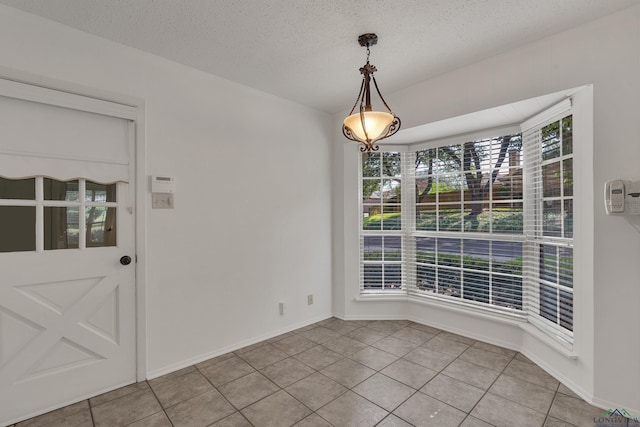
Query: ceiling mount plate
x=368, y=40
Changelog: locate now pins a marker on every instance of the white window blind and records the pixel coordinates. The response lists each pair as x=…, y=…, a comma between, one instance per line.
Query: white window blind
x=548, y=222
x=467, y=231
x=96, y=143
x=382, y=222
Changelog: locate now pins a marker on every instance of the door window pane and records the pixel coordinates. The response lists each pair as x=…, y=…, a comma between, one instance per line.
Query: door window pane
x=61, y=190
x=95, y=192
x=61, y=228
x=22, y=189
x=101, y=226
x=17, y=228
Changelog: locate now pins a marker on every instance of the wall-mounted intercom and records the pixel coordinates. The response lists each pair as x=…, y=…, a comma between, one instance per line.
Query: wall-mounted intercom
x=622, y=197
x=162, y=189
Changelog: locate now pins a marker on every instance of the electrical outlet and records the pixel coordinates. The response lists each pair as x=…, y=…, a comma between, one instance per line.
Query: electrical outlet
x=282, y=308
x=309, y=299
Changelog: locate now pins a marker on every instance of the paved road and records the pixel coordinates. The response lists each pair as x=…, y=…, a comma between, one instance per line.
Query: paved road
x=479, y=248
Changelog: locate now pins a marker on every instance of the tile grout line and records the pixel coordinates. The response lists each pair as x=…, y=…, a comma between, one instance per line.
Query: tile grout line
x=350, y=389
x=548, y=414
x=488, y=388
x=441, y=371
x=555, y=394
x=293, y=397
x=386, y=376
x=164, y=411
x=340, y=331
x=529, y=382
x=93, y=421
x=389, y=413
x=223, y=396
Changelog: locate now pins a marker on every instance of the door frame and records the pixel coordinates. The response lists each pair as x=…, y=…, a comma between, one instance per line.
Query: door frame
x=22, y=85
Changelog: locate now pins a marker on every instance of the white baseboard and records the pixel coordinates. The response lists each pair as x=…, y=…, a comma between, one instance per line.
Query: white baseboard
x=235, y=346
x=67, y=403
x=369, y=317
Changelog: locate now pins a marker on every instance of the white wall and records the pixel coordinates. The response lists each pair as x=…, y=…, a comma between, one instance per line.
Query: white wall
x=251, y=226
x=605, y=53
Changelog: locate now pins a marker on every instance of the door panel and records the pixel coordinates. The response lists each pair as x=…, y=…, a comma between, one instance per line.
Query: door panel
x=67, y=323
x=67, y=305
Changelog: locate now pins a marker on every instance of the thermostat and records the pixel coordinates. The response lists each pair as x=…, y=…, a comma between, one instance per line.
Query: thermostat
x=163, y=184
x=162, y=189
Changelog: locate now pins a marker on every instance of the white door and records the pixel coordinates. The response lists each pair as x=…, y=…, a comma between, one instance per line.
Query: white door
x=67, y=290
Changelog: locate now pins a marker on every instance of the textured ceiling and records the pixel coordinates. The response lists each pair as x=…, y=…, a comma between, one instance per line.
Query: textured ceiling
x=307, y=50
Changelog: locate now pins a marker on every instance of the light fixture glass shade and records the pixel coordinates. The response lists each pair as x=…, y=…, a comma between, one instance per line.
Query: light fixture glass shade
x=376, y=124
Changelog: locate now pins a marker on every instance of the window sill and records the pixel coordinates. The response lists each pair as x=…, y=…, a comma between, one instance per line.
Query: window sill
x=386, y=296
x=557, y=345
x=469, y=309
x=458, y=306
x=521, y=321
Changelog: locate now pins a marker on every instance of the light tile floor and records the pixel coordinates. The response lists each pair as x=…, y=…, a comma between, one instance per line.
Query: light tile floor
x=344, y=373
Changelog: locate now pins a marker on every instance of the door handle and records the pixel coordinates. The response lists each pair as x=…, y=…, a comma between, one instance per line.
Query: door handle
x=125, y=260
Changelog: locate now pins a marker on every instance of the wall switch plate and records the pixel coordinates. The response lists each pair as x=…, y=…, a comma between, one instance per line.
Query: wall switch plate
x=282, y=307
x=162, y=200
x=309, y=299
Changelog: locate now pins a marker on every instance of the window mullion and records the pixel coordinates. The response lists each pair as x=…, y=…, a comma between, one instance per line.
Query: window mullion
x=408, y=209
x=39, y=214
x=82, y=223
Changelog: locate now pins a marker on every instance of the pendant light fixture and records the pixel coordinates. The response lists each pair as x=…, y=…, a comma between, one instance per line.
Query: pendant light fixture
x=367, y=126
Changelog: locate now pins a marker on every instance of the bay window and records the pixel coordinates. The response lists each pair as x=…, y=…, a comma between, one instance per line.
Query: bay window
x=486, y=222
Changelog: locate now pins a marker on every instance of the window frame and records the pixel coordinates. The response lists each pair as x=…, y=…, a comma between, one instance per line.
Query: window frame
x=566, y=341
x=362, y=233
x=41, y=203
x=534, y=226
